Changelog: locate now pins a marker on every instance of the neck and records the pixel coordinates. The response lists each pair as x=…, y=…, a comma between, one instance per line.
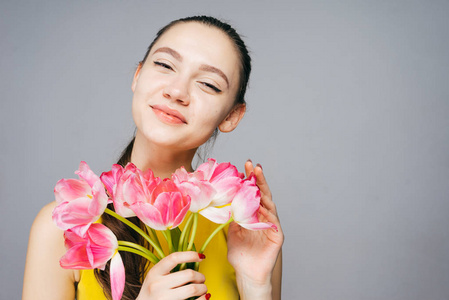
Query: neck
x=162, y=161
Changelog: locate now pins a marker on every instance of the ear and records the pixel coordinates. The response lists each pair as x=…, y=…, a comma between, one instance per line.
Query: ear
x=233, y=118
x=136, y=77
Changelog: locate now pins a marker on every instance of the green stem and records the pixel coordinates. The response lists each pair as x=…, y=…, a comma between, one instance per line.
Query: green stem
x=138, y=247
x=211, y=236
x=192, y=235
x=138, y=252
x=167, y=236
x=153, y=235
x=185, y=242
x=138, y=230
x=184, y=232
x=209, y=239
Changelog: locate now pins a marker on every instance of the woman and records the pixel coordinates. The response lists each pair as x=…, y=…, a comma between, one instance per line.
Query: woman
x=190, y=83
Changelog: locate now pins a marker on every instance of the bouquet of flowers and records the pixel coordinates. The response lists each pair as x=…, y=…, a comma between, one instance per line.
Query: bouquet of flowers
x=217, y=191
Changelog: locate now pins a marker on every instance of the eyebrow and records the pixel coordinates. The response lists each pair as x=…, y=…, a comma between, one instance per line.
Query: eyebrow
x=170, y=51
x=209, y=68
x=206, y=68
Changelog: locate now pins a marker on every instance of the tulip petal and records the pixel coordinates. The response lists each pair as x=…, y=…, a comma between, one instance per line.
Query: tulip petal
x=180, y=175
x=246, y=202
x=70, y=214
x=111, y=178
x=99, y=234
x=128, y=191
x=225, y=190
x=80, y=201
x=177, y=219
x=207, y=168
x=99, y=199
x=258, y=226
x=69, y=189
x=149, y=215
x=224, y=178
x=217, y=215
x=81, y=230
x=89, y=251
x=244, y=209
x=117, y=275
x=163, y=205
x=87, y=174
x=75, y=258
x=201, y=193
x=224, y=170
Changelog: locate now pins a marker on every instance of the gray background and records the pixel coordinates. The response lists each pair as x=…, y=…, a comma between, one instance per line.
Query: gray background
x=348, y=114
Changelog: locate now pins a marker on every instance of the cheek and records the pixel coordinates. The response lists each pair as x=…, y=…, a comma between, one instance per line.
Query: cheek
x=147, y=88
x=209, y=116
x=136, y=111
x=150, y=83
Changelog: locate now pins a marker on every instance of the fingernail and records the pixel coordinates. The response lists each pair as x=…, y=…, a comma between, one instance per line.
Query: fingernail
x=260, y=166
x=207, y=296
x=202, y=256
x=249, y=160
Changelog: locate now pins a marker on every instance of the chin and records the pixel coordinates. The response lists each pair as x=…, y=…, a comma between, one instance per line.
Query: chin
x=171, y=137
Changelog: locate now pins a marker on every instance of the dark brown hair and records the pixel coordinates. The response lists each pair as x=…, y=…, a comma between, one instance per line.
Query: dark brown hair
x=135, y=265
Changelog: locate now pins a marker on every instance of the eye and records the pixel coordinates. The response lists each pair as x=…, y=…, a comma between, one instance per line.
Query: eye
x=211, y=86
x=163, y=65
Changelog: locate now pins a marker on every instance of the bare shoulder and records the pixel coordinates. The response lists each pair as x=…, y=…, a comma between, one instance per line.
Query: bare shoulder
x=44, y=278
x=43, y=219
x=44, y=230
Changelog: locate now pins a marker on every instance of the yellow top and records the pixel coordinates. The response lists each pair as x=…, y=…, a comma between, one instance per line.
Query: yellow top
x=220, y=276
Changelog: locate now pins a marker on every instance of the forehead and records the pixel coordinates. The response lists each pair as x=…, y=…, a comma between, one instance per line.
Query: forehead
x=202, y=44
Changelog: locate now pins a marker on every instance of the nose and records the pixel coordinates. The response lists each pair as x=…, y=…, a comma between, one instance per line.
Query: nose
x=177, y=90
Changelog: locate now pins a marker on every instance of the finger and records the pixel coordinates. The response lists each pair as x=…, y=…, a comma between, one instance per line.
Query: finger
x=249, y=168
x=261, y=181
x=181, y=278
x=270, y=217
x=204, y=297
x=190, y=290
x=266, y=202
x=165, y=265
x=266, y=199
x=260, y=177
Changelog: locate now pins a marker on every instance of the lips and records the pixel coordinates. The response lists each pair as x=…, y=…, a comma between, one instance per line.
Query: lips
x=168, y=115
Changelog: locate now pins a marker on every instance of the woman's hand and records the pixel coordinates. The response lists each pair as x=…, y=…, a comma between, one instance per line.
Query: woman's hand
x=161, y=284
x=254, y=254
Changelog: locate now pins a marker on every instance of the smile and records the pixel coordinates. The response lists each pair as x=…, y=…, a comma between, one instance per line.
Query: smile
x=168, y=115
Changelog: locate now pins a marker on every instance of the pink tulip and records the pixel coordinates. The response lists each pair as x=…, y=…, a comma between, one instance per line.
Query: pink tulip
x=111, y=178
x=132, y=186
x=92, y=251
x=162, y=208
x=245, y=206
x=79, y=201
x=201, y=192
x=243, y=209
x=226, y=180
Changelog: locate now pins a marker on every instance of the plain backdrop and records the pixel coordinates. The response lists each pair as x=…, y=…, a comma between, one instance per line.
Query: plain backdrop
x=348, y=112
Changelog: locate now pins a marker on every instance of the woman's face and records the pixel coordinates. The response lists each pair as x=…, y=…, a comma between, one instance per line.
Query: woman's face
x=187, y=87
